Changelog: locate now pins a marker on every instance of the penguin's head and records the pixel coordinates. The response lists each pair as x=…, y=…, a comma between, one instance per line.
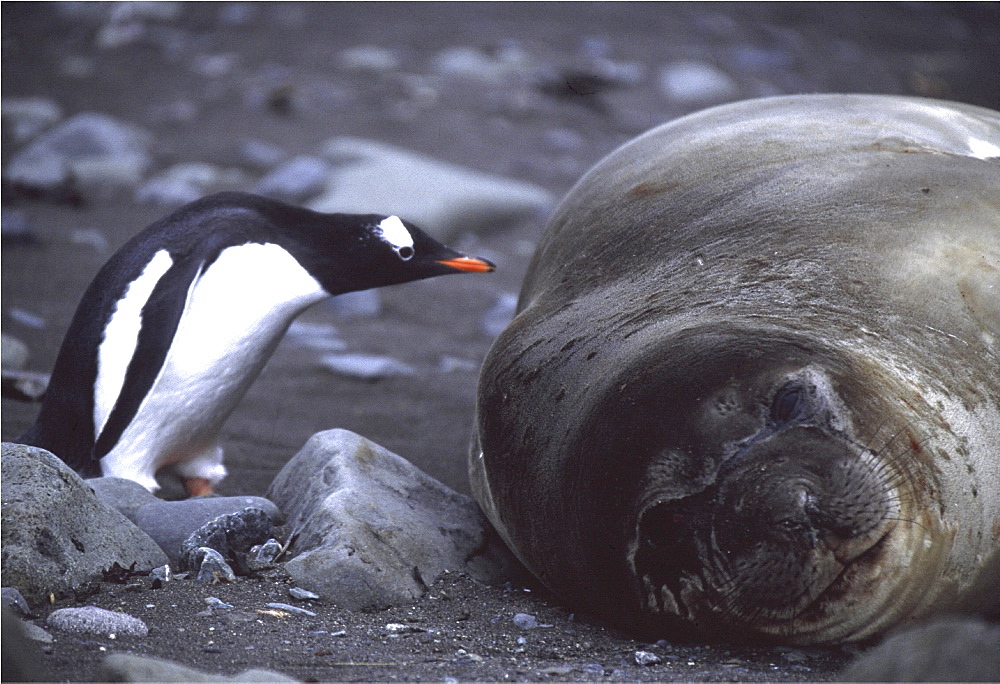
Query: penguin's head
x=348, y=252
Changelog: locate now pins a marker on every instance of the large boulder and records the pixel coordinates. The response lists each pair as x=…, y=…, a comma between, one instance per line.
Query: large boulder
x=56, y=534
x=443, y=199
x=371, y=530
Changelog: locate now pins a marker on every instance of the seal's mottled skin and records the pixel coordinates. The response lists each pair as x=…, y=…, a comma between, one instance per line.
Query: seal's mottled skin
x=753, y=388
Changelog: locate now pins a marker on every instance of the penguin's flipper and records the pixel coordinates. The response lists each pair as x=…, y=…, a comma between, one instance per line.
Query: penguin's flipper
x=161, y=316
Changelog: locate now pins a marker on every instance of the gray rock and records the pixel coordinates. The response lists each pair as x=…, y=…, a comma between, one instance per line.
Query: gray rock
x=88, y=149
x=212, y=567
x=122, y=667
x=494, y=67
x=296, y=180
x=318, y=336
x=368, y=58
x=172, y=523
x=263, y=555
x=525, y=621
x=16, y=228
x=693, y=82
x=232, y=535
x=23, y=660
x=646, y=658
x=443, y=199
x=373, y=530
x=36, y=633
x=366, y=366
x=361, y=304
x=32, y=320
x=14, y=601
x=123, y=495
x=13, y=352
x=24, y=385
x=216, y=603
x=26, y=117
x=500, y=314
x=951, y=649
x=186, y=182
x=56, y=534
x=90, y=238
x=162, y=573
x=94, y=620
x=261, y=154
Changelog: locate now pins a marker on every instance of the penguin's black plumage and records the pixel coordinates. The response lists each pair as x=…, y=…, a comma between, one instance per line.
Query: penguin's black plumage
x=179, y=322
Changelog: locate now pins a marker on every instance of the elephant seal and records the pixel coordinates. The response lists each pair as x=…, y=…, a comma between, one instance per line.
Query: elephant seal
x=752, y=391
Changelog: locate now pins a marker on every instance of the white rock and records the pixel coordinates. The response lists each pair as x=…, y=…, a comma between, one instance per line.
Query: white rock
x=26, y=117
x=474, y=64
x=361, y=304
x=89, y=149
x=368, y=58
x=261, y=154
x=188, y=181
x=296, y=180
x=646, y=658
x=500, y=314
x=688, y=82
x=443, y=199
x=14, y=353
x=366, y=366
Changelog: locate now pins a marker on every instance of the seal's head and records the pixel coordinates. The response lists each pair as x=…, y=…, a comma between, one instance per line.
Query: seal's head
x=787, y=513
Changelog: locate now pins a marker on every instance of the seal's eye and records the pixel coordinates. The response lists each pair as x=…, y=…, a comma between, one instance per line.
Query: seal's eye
x=405, y=253
x=789, y=405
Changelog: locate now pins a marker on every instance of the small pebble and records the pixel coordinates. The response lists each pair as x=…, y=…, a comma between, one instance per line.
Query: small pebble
x=212, y=567
x=303, y=594
x=26, y=318
x=266, y=553
x=500, y=314
x=291, y=609
x=646, y=658
x=525, y=621
x=162, y=573
x=366, y=366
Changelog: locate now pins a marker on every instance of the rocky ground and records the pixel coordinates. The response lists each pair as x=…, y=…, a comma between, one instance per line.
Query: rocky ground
x=533, y=93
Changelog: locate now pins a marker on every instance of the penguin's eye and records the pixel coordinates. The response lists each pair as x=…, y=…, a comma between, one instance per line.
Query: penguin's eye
x=405, y=253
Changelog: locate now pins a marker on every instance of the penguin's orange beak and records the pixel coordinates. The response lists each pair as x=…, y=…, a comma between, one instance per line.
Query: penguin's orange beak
x=469, y=264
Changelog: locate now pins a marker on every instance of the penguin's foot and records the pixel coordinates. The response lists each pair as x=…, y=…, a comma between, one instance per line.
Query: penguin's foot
x=198, y=486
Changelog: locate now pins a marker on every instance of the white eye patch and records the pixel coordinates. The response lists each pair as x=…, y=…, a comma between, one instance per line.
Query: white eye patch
x=393, y=231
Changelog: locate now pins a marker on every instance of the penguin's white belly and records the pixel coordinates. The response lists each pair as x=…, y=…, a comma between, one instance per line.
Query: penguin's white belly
x=236, y=313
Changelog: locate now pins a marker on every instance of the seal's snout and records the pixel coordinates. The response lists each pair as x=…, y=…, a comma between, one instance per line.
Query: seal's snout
x=771, y=534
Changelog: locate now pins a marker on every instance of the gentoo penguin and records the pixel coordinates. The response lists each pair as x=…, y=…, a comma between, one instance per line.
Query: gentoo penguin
x=176, y=326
